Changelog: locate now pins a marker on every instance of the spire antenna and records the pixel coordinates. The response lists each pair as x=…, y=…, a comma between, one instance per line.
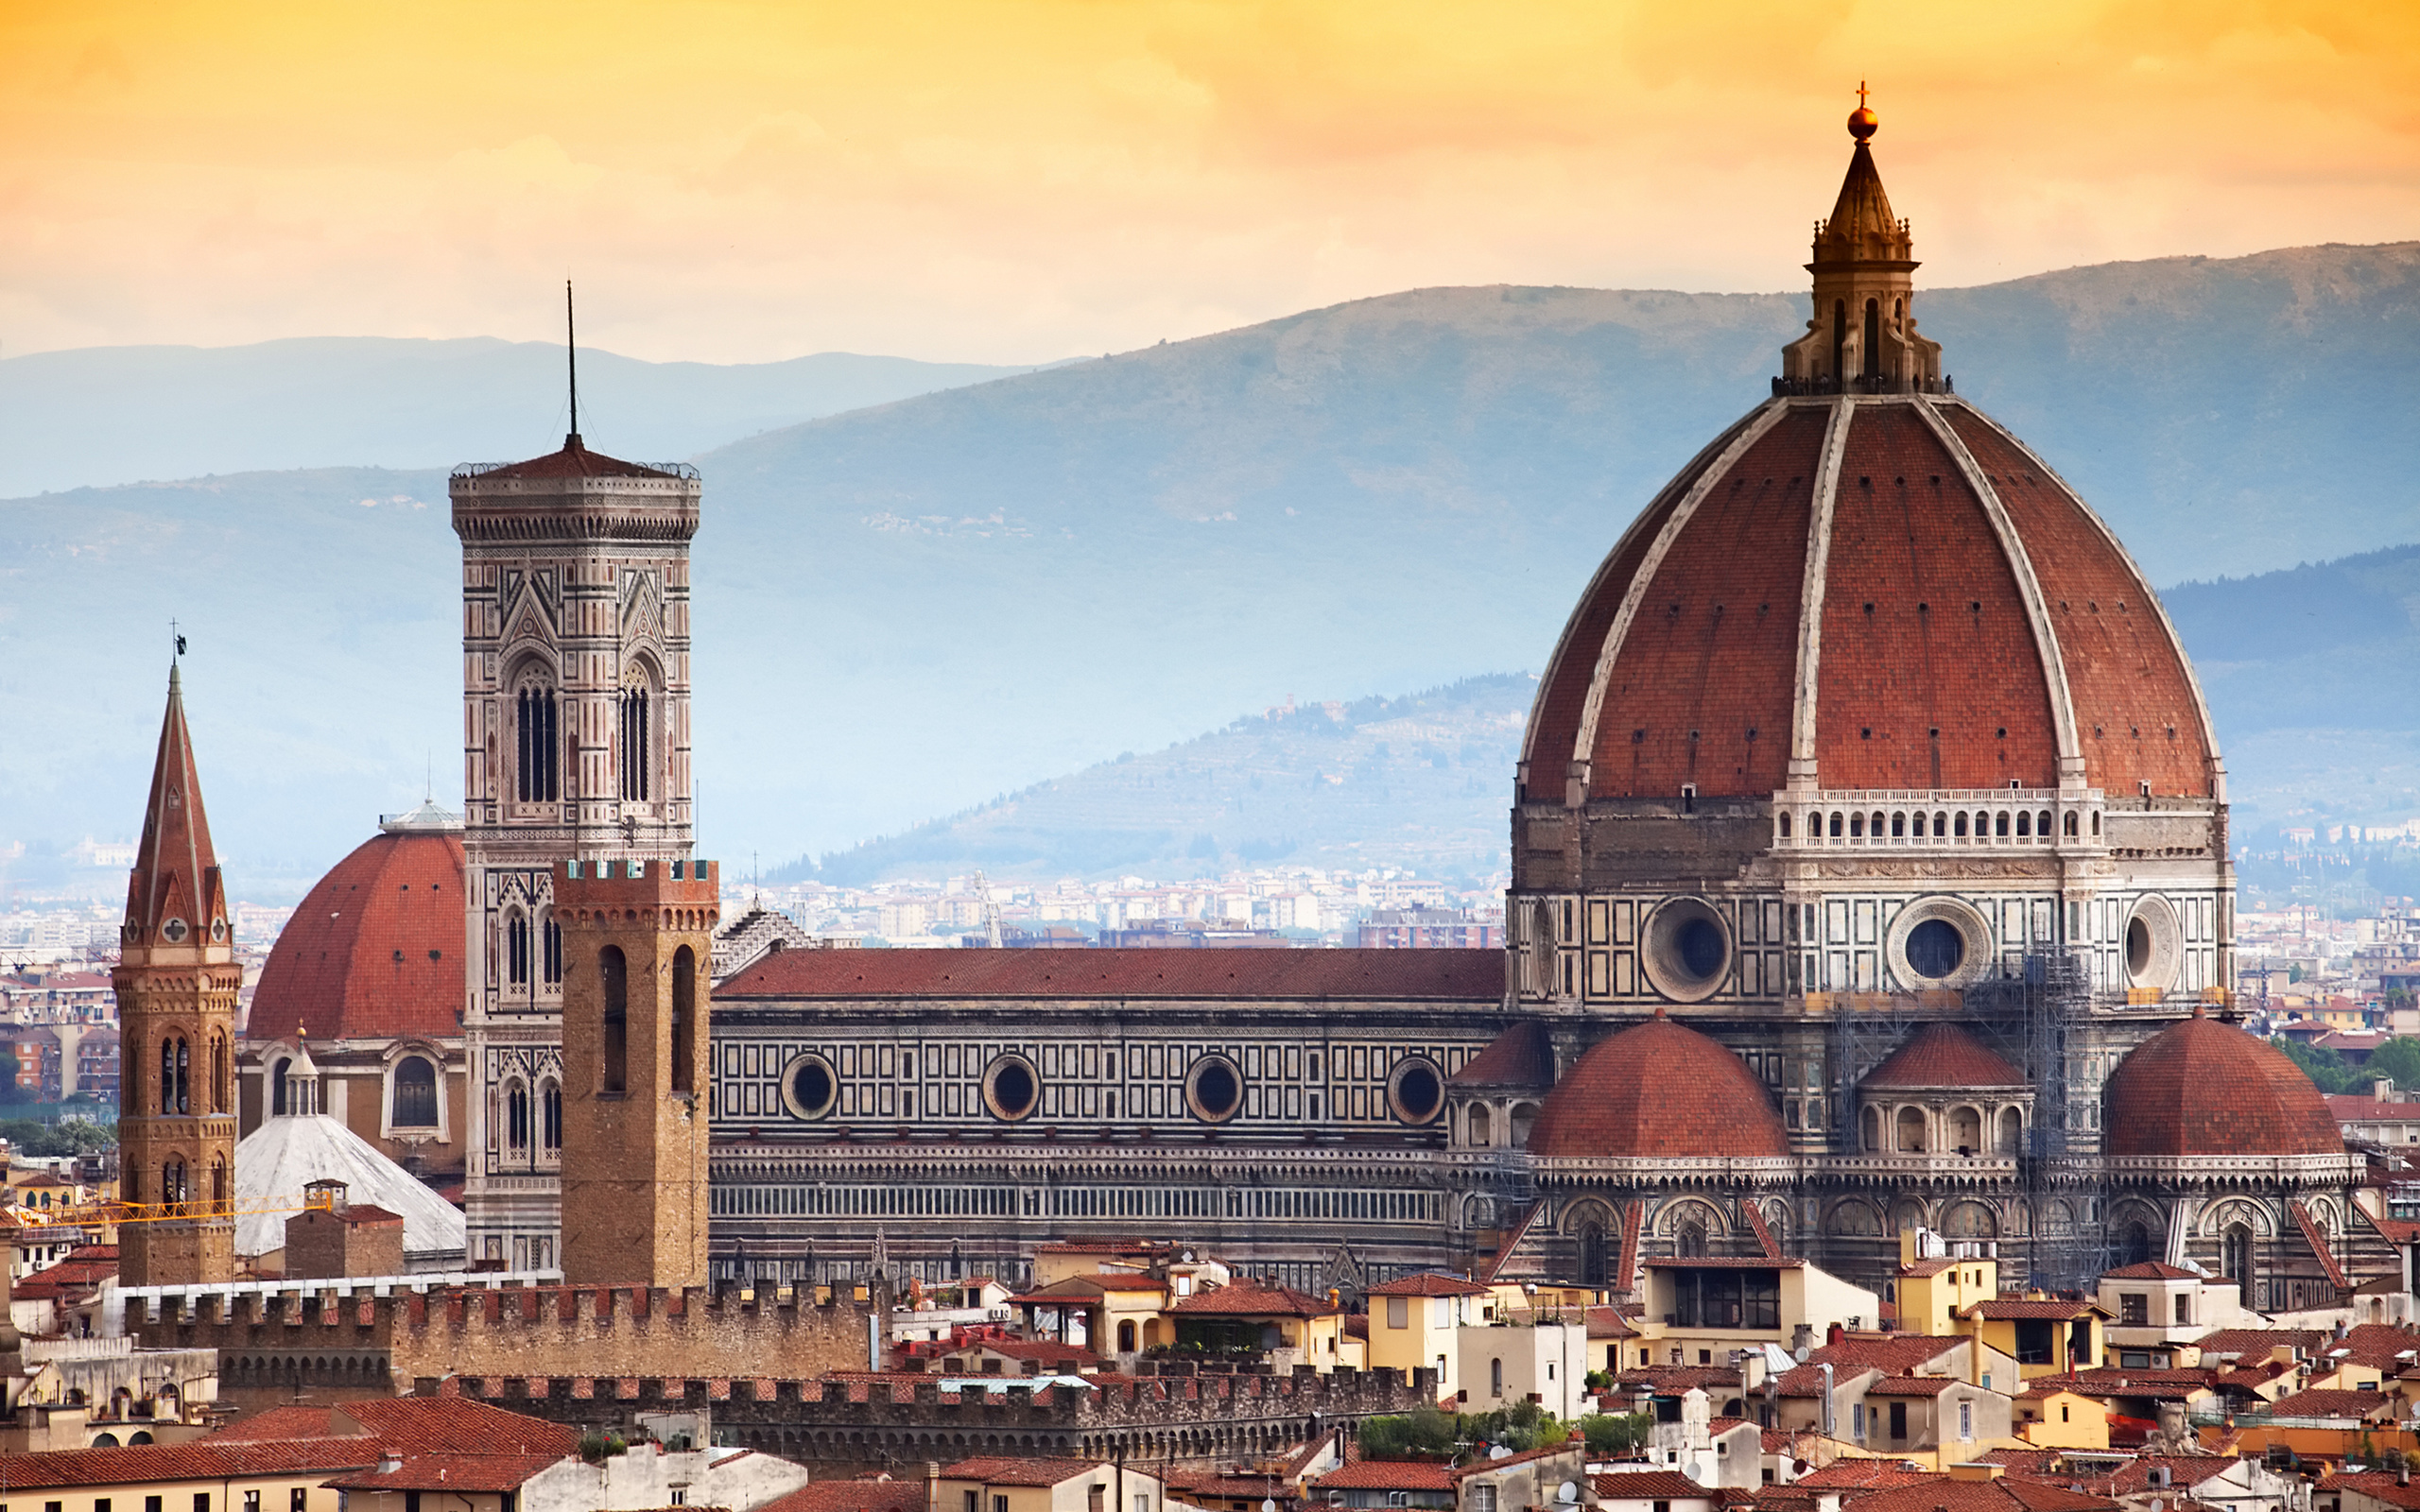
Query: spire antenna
x=571, y=364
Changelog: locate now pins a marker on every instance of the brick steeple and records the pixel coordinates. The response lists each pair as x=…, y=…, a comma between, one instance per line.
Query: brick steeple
x=175, y=894
x=177, y=981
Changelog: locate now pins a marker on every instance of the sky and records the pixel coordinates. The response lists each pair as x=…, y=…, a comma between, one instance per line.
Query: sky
x=1025, y=182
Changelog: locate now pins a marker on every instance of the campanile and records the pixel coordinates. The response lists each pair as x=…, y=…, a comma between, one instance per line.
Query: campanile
x=575, y=745
x=177, y=982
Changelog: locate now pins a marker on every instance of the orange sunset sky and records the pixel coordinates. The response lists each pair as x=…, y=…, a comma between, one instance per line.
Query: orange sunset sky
x=1010, y=182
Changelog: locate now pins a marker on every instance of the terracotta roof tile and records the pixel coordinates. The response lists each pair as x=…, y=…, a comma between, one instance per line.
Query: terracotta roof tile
x=1658, y=1088
x=2150, y=1270
x=2203, y=1088
x=1522, y=1055
x=574, y=461
x=461, y=1473
x=2331, y=1404
x=853, y=1496
x=1387, y=1475
x=1247, y=1299
x=1427, y=1284
x=1943, y=1054
x=204, y=1461
x=1648, y=1486
x=374, y=950
x=2259, y=1340
x=1352, y=976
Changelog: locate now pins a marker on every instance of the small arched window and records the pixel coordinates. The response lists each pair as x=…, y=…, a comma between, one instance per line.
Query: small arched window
x=1877, y=824
x=550, y=1116
x=277, y=1085
x=554, y=953
x=2042, y=824
x=516, y=948
x=176, y=1075
x=218, y=1181
x=220, y=1099
x=1785, y=826
x=684, y=1018
x=1899, y=826
x=633, y=742
x=1962, y=824
x=172, y=1180
x=415, y=1093
x=2071, y=825
x=2024, y=825
x=1857, y=825
x=2000, y=830
x=1940, y=826
x=516, y=1115
x=1872, y=339
x=613, y=1073
x=1836, y=826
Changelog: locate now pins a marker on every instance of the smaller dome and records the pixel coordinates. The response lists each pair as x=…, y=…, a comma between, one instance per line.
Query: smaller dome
x=375, y=948
x=1942, y=1055
x=2204, y=1087
x=1658, y=1091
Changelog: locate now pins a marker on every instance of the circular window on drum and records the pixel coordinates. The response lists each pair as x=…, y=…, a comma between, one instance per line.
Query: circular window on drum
x=2154, y=945
x=1939, y=942
x=1687, y=953
x=808, y=1087
x=1214, y=1089
x=1415, y=1090
x=1011, y=1090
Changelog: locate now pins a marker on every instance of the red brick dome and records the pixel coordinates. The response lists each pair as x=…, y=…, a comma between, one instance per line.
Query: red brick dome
x=1942, y=1055
x=1891, y=590
x=2204, y=1087
x=1659, y=1089
x=375, y=948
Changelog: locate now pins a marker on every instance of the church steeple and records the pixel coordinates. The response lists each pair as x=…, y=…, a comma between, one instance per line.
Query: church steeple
x=177, y=982
x=174, y=897
x=1862, y=337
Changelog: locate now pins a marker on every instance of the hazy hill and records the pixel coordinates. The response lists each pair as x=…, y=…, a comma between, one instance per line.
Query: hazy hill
x=103, y=415
x=907, y=609
x=1419, y=781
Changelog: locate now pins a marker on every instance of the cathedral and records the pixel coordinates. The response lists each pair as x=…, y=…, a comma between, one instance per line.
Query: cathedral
x=1869, y=872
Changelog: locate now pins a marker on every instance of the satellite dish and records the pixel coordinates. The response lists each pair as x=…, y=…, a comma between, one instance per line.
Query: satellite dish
x=1499, y=1452
x=1693, y=1472
x=1568, y=1492
x=1799, y=1354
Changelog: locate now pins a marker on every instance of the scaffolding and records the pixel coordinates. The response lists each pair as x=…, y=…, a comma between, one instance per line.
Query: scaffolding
x=2035, y=1007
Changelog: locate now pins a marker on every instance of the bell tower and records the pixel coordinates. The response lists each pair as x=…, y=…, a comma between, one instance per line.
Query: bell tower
x=177, y=982
x=638, y=948
x=576, y=744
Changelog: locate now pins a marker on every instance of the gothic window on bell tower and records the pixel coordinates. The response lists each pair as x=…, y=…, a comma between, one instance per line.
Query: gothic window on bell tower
x=539, y=743
x=634, y=744
x=554, y=953
x=516, y=948
x=176, y=1070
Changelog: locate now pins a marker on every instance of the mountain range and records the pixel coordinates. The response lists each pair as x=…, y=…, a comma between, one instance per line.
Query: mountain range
x=908, y=609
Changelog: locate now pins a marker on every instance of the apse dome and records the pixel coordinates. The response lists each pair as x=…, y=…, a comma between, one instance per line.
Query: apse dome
x=375, y=948
x=2204, y=1087
x=1658, y=1091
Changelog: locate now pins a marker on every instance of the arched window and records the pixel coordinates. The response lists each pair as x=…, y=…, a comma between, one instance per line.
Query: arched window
x=516, y=1115
x=176, y=1075
x=614, y=1074
x=218, y=1181
x=1836, y=826
x=1899, y=826
x=1877, y=824
x=1872, y=339
x=1785, y=826
x=415, y=1093
x=2000, y=830
x=1940, y=826
x=685, y=1018
x=516, y=948
x=550, y=1115
x=634, y=744
x=2042, y=824
x=1126, y=1336
x=1962, y=824
x=2024, y=825
x=1857, y=825
x=219, y=1099
x=2071, y=825
x=2134, y=1243
x=277, y=1085
x=1496, y=1377
x=554, y=963
x=1690, y=1239
x=2235, y=1258
x=1911, y=1131
x=1592, y=1256
x=540, y=743
x=1479, y=1134
x=1840, y=344
x=172, y=1180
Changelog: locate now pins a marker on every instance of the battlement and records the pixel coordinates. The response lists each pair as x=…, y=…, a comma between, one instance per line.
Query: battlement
x=515, y=1330
x=607, y=884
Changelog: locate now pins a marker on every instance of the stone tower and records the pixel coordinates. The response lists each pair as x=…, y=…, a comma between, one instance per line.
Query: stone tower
x=177, y=981
x=575, y=728
x=638, y=951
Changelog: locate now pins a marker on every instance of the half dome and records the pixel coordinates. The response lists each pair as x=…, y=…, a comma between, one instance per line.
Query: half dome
x=1939, y=1057
x=2204, y=1087
x=375, y=948
x=1658, y=1091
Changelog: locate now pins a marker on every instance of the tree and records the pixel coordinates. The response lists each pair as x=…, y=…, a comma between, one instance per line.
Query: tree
x=12, y=1069
x=2398, y=1060
x=2326, y=1068
x=1423, y=1430
x=1613, y=1436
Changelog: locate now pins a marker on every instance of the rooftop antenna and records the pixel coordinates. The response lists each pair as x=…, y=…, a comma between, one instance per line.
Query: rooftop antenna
x=571, y=364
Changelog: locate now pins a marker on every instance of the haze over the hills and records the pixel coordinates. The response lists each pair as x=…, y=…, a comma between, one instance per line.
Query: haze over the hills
x=99, y=416
x=907, y=609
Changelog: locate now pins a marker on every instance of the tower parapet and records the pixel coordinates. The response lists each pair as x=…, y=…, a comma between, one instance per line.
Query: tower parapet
x=638, y=948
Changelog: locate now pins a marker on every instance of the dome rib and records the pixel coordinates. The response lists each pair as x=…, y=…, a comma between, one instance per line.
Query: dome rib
x=1805, y=733
x=2204, y=1087
x=2029, y=588
x=1761, y=423
x=2092, y=565
x=1658, y=1091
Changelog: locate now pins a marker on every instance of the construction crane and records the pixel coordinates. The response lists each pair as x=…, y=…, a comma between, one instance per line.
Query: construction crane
x=991, y=911
x=111, y=1213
